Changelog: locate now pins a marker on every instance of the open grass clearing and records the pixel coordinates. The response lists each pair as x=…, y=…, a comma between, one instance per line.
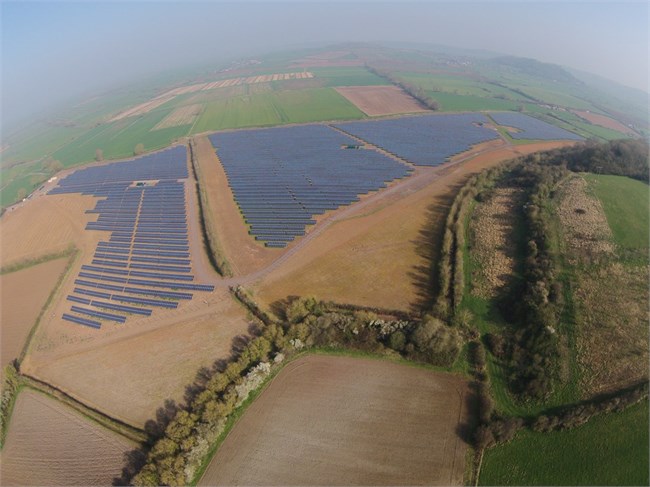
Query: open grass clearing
x=50, y=444
x=275, y=108
x=22, y=296
x=625, y=202
x=341, y=420
x=611, y=449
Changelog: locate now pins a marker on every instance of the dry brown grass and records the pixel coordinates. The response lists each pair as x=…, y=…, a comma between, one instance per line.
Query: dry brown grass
x=613, y=335
x=128, y=371
x=22, y=296
x=611, y=298
x=492, y=230
x=46, y=225
x=380, y=100
x=348, y=421
x=583, y=220
x=49, y=444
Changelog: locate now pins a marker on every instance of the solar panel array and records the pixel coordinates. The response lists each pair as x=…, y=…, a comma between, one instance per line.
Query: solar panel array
x=532, y=128
x=283, y=177
x=145, y=262
x=426, y=140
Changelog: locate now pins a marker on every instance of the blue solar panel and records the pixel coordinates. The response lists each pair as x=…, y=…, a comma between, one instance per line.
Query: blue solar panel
x=99, y=314
x=532, y=128
x=121, y=307
x=81, y=321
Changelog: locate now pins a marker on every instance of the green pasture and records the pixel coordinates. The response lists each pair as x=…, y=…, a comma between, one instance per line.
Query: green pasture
x=611, y=449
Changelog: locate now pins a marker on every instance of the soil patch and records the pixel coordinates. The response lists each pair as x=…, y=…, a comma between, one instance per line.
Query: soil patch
x=380, y=100
x=22, y=296
x=348, y=421
x=49, y=444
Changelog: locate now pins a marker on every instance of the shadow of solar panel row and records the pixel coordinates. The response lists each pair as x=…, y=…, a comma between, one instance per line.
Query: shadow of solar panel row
x=81, y=321
x=127, y=299
x=99, y=314
x=164, y=268
x=532, y=128
x=427, y=140
x=133, y=290
x=121, y=307
x=289, y=174
x=143, y=282
x=126, y=272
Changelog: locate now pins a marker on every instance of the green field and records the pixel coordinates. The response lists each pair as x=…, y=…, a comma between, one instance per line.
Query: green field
x=625, y=202
x=611, y=449
x=348, y=76
x=118, y=139
x=275, y=108
x=450, y=102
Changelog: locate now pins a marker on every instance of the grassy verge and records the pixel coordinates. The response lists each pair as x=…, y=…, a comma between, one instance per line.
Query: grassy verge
x=135, y=434
x=73, y=254
x=215, y=253
x=611, y=449
x=25, y=263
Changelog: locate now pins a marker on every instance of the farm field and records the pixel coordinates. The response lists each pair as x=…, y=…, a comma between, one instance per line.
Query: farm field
x=611, y=449
x=273, y=108
x=383, y=254
x=605, y=121
x=43, y=226
x=625, y=202
x=118, y=139
x=339, y=420
x=49, y=444
x=130, y=372
x=24, y=294
x=380, y=100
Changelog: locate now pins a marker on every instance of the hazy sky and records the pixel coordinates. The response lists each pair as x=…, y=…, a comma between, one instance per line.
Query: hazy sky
x=52, y=51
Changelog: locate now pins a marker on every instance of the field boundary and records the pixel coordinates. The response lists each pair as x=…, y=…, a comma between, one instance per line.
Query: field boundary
x=131, y=432
x=27, y=263
x=73, y=255
x=211, y=242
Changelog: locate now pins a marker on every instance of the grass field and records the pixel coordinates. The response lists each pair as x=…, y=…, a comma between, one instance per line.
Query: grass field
x=348, y=76
x=609, y=450
x=274, y=108
x=118, y=139
x=625, y=202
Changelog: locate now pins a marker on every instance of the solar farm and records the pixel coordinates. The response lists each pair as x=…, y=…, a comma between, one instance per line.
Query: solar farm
x=428, y=140
x=145, y=261
x=283, y=177
x=532, y=128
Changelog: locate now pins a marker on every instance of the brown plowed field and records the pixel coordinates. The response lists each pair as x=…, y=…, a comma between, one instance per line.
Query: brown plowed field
x=129, y=372
x=49, y=444
x=605, y=121
x=348, y=421
x=380, y=100
x=22, y=296
x=383, y=255
x=46, y=225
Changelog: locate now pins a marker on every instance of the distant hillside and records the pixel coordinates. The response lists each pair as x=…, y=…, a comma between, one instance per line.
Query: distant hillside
x=537, y=69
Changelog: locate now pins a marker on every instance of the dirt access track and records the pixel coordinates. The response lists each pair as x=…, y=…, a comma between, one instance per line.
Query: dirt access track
x=327, y=420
